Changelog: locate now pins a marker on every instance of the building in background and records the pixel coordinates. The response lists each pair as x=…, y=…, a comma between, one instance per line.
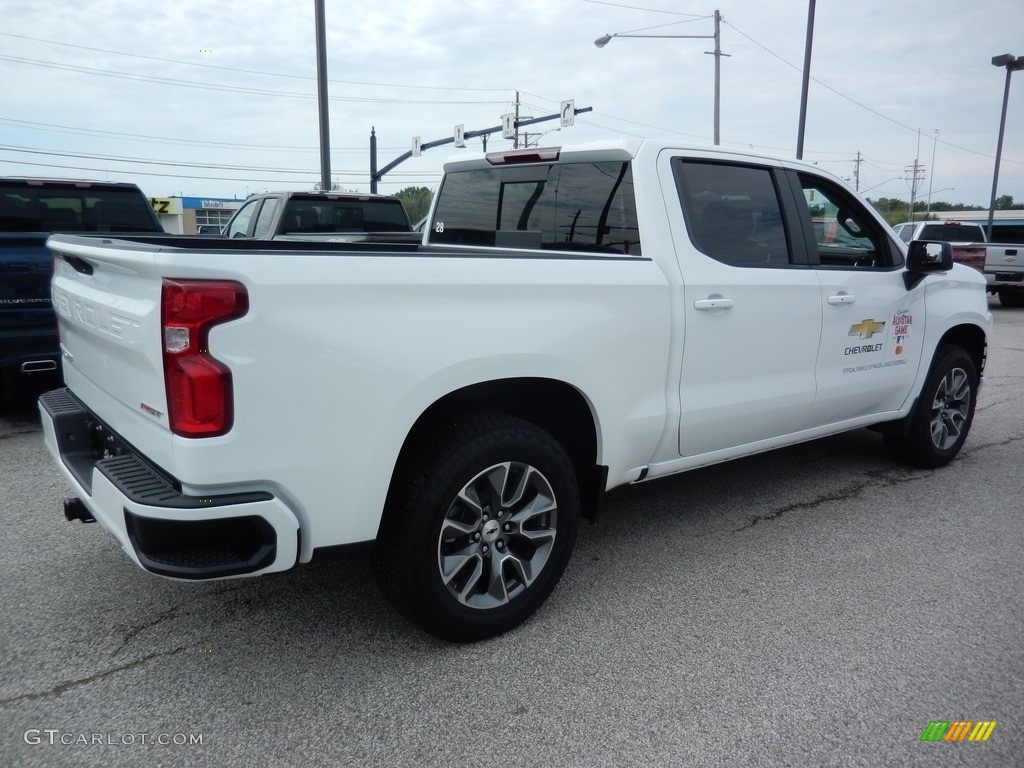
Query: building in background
x=184, y=215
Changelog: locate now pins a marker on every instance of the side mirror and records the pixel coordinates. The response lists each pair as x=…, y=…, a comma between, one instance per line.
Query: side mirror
x=925, y=257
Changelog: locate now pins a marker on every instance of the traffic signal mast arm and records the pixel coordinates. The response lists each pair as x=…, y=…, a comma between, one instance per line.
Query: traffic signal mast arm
x=378, y=175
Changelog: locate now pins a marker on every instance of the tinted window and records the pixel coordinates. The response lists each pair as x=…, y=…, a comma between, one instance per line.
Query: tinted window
x=570, y=207
x=845, y=235
x=42, y=209
x=322, y=214
x=953, y=233
x=266, y=216
x=733, y=213
x=239, y=226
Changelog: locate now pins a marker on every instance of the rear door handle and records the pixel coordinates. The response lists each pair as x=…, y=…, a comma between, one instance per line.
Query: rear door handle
x=708, y=304
x=842, y=298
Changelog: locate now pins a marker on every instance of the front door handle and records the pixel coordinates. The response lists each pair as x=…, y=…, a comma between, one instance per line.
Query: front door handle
x=708, y=304
x=842, y=298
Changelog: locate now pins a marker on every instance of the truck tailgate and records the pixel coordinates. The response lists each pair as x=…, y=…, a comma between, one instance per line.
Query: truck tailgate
x=108, y=311
x=970, y=255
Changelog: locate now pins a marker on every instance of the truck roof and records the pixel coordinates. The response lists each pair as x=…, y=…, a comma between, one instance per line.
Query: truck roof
x=40, y=181
x=617, y=149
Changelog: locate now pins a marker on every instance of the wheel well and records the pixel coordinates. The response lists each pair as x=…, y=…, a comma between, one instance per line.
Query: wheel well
x=554, y=406
x=972, y=339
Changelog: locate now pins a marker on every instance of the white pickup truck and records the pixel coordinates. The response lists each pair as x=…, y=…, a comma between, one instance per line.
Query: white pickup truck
x=575, y=320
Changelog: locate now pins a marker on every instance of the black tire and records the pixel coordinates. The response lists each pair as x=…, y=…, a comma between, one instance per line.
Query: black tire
x=1011, y=297
x=484, y=494
x=944, y=412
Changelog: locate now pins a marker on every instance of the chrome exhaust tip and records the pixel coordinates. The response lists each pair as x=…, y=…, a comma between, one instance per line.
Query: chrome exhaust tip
x=39, y=366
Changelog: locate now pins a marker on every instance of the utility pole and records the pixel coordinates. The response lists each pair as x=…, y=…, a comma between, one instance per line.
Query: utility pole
x=321, y=82
x=856, y=171
x=808, y=44
x=718, y=77
x=915, y=175
x=602, y=41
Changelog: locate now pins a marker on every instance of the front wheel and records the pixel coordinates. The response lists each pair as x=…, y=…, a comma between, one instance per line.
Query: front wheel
x=479, y=526
x=944, y=412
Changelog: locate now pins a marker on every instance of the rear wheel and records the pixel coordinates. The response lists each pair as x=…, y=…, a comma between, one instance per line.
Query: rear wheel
x=944, y=412
x=1011, y=297
x=479, y=526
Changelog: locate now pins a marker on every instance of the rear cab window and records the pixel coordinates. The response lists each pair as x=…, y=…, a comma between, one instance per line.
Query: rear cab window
x=952, y=232
x=572, y=206
x=305, y=215
x=64, y=207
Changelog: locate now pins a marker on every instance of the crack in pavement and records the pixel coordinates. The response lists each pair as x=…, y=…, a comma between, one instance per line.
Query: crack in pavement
x=163, y=616
x=981, y=446
x=66, y=686
x=887, y=477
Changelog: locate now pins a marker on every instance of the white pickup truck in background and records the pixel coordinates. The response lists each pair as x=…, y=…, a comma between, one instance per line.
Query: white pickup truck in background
x=575, y=320
x=1001, y=263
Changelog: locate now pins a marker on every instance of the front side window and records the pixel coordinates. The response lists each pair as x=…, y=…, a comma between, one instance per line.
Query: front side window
x=845, y=236
x=240, y=224
x=569, y=207
x=733, y=213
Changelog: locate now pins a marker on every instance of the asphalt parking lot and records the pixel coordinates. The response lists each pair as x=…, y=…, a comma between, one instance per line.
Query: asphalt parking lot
x=816, y=606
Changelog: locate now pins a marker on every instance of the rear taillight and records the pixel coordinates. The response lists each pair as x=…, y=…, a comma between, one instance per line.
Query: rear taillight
x=199, y=400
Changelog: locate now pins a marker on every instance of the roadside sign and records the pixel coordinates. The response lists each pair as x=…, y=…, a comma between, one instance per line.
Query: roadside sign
x=568, y=113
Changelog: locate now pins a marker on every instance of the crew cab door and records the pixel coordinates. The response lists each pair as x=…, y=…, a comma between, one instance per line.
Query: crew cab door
x=873, y=327
x=751, y=307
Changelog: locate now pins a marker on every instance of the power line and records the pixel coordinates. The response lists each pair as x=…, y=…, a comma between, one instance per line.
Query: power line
x=649, y=10
x=250, y=71
x=146, y=160
x=854, y=101
x=173, y=140
x=360, y=174
x=226, y=88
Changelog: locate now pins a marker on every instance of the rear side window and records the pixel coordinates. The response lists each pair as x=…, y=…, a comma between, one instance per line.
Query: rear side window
x=733, y=213
x=266, y=217
x=567, y=207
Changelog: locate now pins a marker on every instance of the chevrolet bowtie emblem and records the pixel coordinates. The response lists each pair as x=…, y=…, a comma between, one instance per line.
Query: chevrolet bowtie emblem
x=866, y=328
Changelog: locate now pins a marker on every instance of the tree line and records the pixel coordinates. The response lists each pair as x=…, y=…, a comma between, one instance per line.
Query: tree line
x=896, y=211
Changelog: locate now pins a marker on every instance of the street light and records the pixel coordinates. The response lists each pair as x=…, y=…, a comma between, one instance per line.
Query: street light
x=931, y=174
x=1011, y=63
x=602, y=41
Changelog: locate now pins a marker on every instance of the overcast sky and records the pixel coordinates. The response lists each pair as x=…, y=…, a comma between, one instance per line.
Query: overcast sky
x=219, y=99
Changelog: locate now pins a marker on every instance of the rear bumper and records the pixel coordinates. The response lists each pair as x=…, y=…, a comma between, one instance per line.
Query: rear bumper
x=166, y=532
x=997, y=278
